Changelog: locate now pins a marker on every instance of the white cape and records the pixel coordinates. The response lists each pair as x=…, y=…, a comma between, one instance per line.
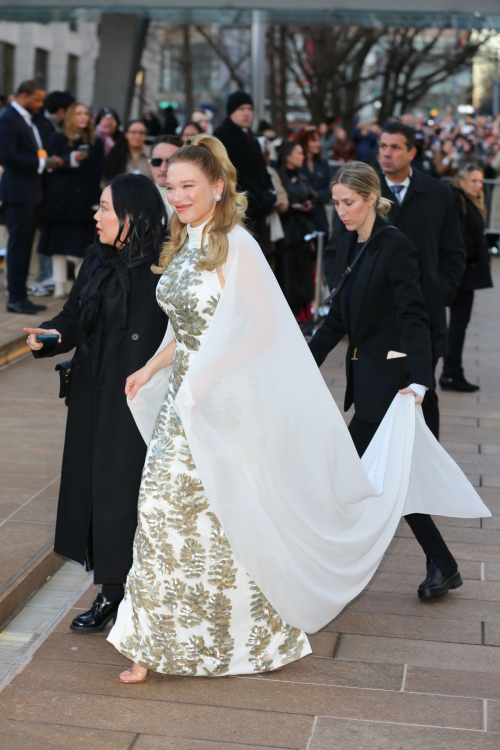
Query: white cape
x=304, y=515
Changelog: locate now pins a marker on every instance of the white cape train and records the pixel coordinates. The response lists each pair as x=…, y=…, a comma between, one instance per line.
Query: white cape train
x=304, y=515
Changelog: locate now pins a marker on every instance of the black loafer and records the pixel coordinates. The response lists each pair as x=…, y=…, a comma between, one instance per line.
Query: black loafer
x=25, y=308
x=97, y=617
x=437, y=584
x=457, y=384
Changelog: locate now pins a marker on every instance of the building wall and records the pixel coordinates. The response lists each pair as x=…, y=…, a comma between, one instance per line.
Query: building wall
x=58, y=40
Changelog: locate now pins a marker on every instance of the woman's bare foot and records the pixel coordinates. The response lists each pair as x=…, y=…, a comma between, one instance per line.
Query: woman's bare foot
x=135, y=673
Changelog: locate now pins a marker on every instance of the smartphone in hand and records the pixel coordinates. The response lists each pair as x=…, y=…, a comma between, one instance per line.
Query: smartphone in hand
x=49, y=340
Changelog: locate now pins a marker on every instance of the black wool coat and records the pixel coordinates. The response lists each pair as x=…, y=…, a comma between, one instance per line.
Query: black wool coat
x=388, y=313
x=71, y=197
x=246, y=155
x=477, y=273
x=73, y=192
x=320, y=179
x=429, y=218
x=104, y=452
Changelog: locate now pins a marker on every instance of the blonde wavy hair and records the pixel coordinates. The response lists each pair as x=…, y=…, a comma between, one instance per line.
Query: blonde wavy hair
x=363, y=179
x=70, y=130
x=210, y=156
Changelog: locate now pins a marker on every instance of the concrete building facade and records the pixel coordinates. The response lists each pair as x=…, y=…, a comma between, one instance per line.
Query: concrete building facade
x=60, y=55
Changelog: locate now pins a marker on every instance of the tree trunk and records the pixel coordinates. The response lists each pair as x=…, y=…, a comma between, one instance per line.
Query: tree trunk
x=282, y=67
x=273, y=93
x=186, y=64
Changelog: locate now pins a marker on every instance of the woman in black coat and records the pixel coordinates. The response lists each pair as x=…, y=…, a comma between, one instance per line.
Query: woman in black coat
x=295, y=259
x=477, y=275
x=114, y=321
x=72, y=193
x=383, y=313
x=317, y=172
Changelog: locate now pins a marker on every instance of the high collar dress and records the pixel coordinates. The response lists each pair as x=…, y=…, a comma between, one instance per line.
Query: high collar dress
x=190, y=607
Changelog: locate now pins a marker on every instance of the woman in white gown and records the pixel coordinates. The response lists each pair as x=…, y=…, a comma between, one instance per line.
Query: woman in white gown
x=247, y=537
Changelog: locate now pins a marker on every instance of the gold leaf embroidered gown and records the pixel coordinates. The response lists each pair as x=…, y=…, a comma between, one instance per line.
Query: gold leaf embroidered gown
x=189, y=606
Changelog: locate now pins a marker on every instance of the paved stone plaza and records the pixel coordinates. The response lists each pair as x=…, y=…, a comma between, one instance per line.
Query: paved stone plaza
x=389, y=673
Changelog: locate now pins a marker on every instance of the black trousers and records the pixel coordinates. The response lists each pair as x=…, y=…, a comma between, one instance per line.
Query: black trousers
x=430, y=405
x=21, y=220
x=460, y=313
x=423, y=527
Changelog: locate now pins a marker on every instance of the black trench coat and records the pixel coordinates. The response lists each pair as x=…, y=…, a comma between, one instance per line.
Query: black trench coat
x=104, y=452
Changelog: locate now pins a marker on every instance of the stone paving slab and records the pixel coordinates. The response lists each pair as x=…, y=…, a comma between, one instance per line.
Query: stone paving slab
x=32, y=421
x=268, y=697
x=22, y=735
x=390, y=672
x=350, y=735
x=137, y=714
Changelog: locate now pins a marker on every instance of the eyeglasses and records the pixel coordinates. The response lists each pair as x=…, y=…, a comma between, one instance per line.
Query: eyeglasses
x=157, y=161
x=136, y=132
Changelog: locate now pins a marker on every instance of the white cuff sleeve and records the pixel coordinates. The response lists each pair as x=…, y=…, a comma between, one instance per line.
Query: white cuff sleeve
x=420, y=389
x=41, y=165
x=72, y=160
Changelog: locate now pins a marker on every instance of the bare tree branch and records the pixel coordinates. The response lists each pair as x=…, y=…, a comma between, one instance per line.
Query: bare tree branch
x=224, y=56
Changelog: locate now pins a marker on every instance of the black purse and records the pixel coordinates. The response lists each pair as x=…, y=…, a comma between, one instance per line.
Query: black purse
x=65, y=369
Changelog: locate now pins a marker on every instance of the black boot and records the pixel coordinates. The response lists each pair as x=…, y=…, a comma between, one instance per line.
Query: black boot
x=458, y=383
x=437, y=584
x=98, y=616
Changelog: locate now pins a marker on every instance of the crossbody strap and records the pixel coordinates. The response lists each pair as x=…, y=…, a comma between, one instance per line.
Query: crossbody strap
x=350, y=269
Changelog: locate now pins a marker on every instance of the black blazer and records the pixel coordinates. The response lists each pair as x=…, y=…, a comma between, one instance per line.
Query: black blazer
x=388, y=313
x=104, y=452
x=246, y=155
x=477, y=273
x=20, y=182
x=428, y=216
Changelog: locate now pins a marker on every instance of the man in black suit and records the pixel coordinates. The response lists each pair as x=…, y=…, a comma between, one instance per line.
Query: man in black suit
x=246, y=154
x=24, y=160
x=425, y=211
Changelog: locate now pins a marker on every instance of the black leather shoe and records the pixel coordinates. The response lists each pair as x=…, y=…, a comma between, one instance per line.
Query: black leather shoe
x=437, y=584
x=98, y=616
x=457, y=384
x=25, y=308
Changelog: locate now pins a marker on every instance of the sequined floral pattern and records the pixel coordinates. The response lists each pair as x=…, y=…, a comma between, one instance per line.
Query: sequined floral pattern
x=189, y=607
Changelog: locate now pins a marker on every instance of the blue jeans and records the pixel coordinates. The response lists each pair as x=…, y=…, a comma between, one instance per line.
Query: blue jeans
x=45, y=268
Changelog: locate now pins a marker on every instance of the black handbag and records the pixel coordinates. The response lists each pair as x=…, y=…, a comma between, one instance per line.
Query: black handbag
x=65, y=369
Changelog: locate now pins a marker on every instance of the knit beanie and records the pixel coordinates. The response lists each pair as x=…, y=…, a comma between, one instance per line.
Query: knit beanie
x=237, y=99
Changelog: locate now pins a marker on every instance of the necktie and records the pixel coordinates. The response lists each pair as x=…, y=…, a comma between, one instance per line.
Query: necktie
x=396, y=189
x=36, y=133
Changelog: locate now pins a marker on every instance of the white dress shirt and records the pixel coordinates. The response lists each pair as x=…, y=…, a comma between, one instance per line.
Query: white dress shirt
x=405, y=184
x=27, y=118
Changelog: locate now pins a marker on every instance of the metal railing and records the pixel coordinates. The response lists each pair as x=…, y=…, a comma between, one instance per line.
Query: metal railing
x=309, y=328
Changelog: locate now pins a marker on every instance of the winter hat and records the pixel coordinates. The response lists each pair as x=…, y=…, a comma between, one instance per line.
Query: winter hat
x=236, y=99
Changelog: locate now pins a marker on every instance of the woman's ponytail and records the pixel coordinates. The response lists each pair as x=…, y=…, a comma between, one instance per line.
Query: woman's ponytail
x=363, y=179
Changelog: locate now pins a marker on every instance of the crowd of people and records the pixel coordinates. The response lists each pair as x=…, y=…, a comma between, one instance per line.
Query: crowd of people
x=219, y=538
x=57, y=155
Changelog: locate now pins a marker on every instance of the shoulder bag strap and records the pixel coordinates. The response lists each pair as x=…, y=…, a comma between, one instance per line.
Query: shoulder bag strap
x=349, y=269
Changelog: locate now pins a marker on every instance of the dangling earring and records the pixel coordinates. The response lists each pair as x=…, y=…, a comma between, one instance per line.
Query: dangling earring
x=218, y=198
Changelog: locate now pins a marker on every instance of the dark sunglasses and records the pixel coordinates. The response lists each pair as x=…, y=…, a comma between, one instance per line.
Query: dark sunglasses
x=156, y=161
